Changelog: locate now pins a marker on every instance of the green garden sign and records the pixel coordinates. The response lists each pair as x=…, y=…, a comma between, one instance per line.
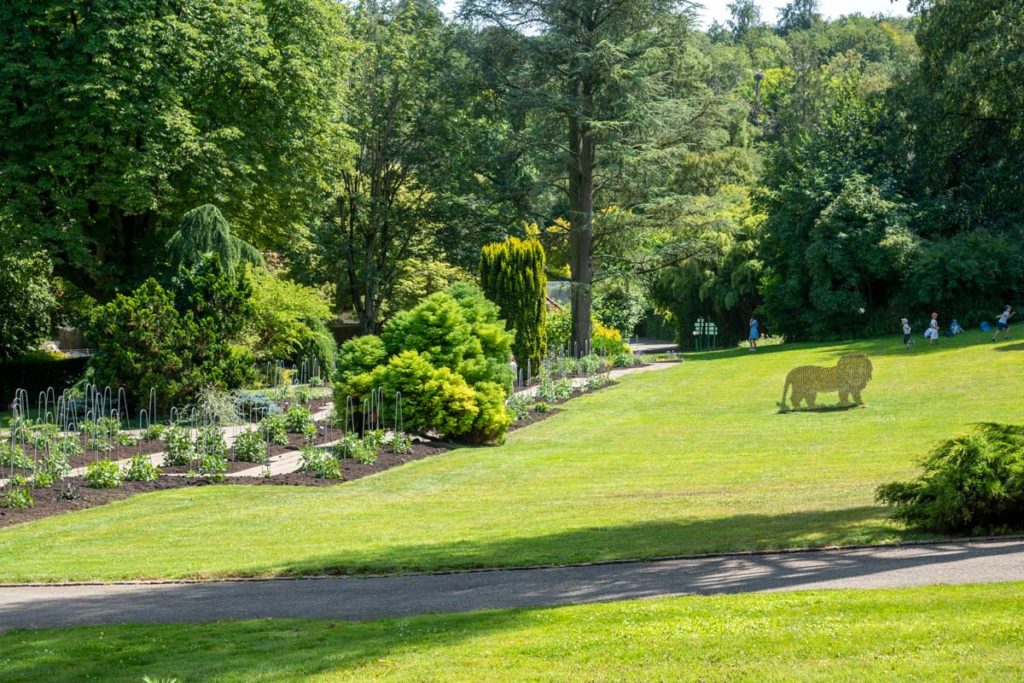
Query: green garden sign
x=705, y=335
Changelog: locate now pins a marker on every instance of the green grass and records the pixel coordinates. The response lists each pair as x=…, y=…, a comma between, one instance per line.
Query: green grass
x=937, y=633
x=692, y=459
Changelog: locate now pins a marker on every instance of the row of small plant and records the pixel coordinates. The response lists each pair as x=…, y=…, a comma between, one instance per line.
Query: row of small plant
x=326, y=463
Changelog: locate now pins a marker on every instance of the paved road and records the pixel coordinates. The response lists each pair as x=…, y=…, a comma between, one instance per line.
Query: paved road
x=370, y=598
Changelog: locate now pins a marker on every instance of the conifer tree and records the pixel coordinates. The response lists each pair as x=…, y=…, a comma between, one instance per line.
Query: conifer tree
x=512, y=276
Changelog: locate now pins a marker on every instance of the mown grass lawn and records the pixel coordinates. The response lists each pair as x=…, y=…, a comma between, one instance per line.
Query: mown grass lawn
x=692, y=459
x=936, y=633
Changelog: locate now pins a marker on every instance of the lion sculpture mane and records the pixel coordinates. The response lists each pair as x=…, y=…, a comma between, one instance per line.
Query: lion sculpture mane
x=849, y=377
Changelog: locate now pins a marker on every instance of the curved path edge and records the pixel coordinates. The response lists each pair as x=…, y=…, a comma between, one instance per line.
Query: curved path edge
x=363, y=598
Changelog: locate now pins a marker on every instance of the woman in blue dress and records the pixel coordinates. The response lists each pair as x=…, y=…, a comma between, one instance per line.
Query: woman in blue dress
x=754, y=335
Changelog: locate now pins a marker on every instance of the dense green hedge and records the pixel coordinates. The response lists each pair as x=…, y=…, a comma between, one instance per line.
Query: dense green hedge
x=36, y=372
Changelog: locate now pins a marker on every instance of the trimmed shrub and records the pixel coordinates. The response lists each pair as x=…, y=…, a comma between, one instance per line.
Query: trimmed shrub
x=492, y=420
x=512, y=276
x=972, y=483
x=359, y=355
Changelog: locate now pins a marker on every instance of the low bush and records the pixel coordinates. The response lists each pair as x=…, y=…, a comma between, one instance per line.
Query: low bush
x=213, y=466
x=139, y=468
x=153, y=432
x=363, y=450
x=273, y=429
x=255, y=404
x=210, y=441
x=12, y=455
x=309, y=433
x=126, y=440
x=320, y=463
x=972, y=483
x=542, y=407
x=178, y=448
x=42, y=436
x=399, y=443
x=103, y=474
x=297, y=419
x=518, y=407
x=53, y=467
x=250, y=447
x=18, y=495
x=68, y=446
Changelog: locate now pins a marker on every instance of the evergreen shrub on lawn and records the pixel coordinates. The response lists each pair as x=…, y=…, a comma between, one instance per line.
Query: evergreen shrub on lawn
x=972, y=483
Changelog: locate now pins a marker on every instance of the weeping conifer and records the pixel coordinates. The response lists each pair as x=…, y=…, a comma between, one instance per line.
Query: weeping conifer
x=204, y=230
x=512, y=276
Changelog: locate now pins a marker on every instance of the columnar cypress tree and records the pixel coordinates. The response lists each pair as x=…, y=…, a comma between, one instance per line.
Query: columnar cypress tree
x=512, y=276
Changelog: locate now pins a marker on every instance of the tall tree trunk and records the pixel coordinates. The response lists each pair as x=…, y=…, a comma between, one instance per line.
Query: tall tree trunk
x=581, y=224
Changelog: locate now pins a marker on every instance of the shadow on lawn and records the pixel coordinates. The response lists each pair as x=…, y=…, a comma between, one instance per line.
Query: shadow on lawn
x=298, y=649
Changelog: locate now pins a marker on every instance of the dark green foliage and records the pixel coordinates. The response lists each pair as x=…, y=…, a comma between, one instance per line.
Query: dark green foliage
x=27, y=302
x=118, y=117
x=971, y=484
x=143, y=341
x=204, y=230
x=512, y=276
x=36, y=371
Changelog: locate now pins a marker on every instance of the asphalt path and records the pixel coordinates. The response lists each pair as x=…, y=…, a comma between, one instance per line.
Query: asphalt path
x=355, y=598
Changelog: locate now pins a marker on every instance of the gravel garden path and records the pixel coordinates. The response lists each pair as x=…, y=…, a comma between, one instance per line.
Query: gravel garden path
x=352, y=598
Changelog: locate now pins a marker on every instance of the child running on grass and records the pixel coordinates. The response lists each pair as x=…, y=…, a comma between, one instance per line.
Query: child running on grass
x=1003, y=324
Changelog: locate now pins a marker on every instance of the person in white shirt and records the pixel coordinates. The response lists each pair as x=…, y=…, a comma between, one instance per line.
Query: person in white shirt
x=906, y=332
x=1003, y=324
x=932, y=333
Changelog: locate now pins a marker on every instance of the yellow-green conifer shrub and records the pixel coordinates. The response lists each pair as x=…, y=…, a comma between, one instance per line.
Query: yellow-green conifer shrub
x=512, y=276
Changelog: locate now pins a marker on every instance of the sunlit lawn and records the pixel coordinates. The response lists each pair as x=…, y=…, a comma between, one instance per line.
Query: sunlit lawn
x=969, y=633
x=692, y=459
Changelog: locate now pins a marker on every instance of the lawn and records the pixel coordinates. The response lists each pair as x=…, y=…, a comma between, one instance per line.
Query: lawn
x=693, y=459
x=935, y=633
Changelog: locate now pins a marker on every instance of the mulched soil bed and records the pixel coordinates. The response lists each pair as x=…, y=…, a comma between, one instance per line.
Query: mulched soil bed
x=88, y=456
x=48, y=501
x=296, y=442
x=536, y=416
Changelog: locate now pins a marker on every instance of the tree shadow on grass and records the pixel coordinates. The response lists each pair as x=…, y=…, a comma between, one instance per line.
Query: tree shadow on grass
x=240, y=651
x=1018, y=346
